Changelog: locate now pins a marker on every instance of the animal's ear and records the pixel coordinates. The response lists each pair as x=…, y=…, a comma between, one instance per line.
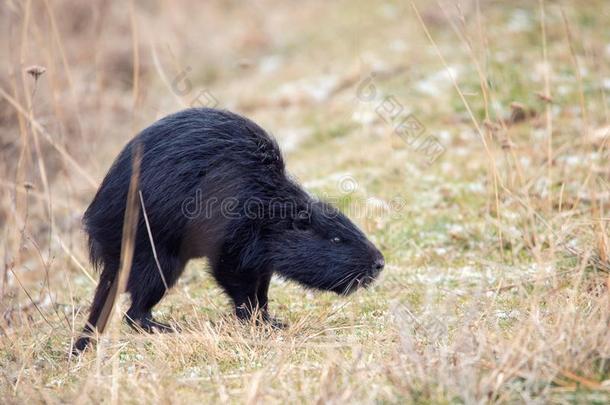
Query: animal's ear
x=301, y=221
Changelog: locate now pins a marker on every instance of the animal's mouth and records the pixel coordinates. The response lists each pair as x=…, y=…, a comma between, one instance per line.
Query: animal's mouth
x=360, y=281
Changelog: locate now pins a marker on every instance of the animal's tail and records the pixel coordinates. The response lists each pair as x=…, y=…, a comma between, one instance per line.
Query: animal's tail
x=96, y=256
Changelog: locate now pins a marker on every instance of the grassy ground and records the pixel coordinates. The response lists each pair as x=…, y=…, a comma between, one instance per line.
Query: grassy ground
x=496, y=287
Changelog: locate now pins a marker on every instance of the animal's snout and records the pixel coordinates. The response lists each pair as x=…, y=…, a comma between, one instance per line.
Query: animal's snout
x=378, y=265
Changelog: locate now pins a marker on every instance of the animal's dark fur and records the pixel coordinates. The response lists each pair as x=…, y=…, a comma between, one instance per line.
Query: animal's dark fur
x=214, y=185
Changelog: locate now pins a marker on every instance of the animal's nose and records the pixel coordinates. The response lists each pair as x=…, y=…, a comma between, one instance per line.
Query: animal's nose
x=378, y=265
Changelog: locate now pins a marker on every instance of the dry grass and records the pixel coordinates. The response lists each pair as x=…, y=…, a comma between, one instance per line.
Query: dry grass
x=496, y=288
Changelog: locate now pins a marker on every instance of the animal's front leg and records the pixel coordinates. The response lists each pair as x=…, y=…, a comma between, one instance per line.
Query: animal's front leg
x=263, y=302
x=241, y=286
x=245, y=300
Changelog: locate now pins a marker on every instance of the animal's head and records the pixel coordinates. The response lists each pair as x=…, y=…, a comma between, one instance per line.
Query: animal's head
x=321, y=248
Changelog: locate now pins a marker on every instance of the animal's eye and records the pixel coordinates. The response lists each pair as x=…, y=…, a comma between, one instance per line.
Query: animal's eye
x=336, y=239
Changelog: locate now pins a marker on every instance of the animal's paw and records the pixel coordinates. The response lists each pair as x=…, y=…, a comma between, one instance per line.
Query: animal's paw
x=150, y=325
x=260, y=317
x=275, y=323
x=80, y=345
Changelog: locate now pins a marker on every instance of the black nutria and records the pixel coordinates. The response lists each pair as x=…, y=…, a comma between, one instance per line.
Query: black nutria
x=213, y=184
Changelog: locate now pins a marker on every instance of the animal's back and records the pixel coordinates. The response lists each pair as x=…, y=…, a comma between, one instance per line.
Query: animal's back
x=186, y=155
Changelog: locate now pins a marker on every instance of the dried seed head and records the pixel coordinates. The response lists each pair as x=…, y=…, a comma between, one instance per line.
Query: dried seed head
x=518, y=112
x=36, y=71
x=493, y=127
x=506, y=144
x=544, y=97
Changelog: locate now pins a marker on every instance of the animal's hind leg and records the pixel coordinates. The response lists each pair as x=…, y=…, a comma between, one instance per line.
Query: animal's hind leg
x=261, y=292
x=147, y=288
x=106, y=283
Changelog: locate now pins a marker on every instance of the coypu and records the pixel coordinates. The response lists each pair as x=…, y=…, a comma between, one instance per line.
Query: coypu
x=213, y=184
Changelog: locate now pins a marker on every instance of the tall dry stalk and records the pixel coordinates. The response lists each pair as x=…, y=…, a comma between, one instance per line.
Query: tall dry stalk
x=130, y=222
